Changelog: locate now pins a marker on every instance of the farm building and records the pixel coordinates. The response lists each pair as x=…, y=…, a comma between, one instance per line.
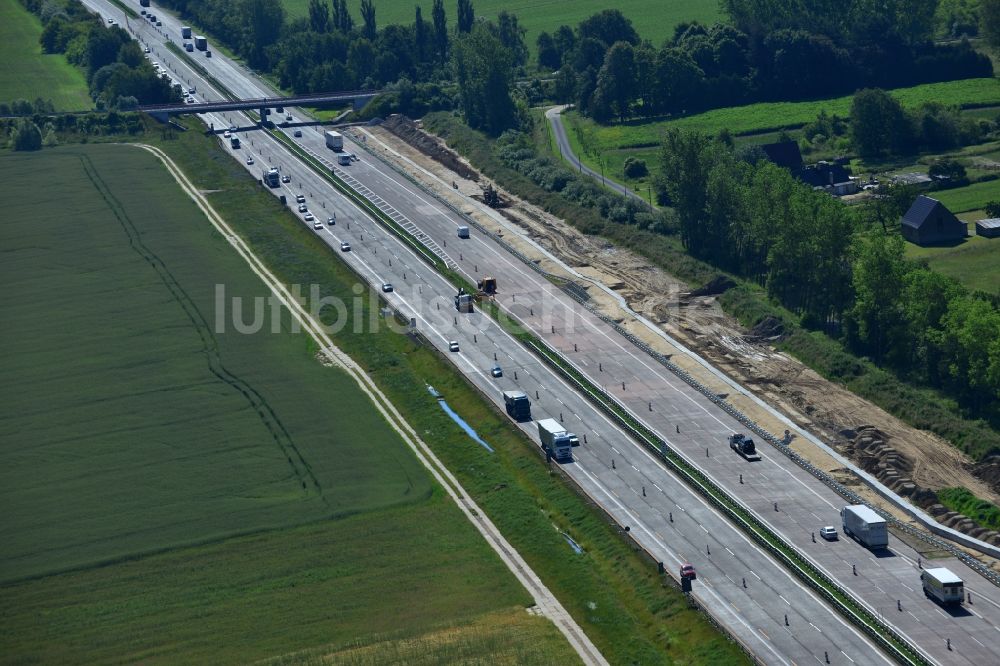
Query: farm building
x=832, y=178
x=988, y=228
x=928, y=222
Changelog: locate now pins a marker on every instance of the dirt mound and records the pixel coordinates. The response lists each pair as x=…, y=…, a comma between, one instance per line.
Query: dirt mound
x=717, y=285
x=408, y=131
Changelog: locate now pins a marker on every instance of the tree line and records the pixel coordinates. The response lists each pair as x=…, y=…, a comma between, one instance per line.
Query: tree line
x=842, y=270
x=772, y=51
x=118, y=74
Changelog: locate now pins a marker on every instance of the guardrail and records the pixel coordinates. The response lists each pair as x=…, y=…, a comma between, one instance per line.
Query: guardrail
x=578, y=293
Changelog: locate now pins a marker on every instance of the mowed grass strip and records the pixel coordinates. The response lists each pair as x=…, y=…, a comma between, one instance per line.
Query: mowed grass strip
x=653, y=20
x=765, y=116
x=132, y=420
x=27, y=73
x=969, y=197
x=377, y=579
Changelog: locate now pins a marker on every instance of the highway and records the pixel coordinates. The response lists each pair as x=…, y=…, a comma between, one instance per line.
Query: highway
x=741, y=586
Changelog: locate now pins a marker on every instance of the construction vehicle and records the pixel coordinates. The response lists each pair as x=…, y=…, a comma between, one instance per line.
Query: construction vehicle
x=517, y=405
x=463, y=301
x=555, y=440
x=943, y=586
x=487, y=286
x=862, y=523
x=744, y=446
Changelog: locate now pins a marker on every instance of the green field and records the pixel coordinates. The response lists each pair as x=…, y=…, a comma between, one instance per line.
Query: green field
x=27, y=72
x=975, y=262
x=653, y=20
x=970, y=197
x=765, y=116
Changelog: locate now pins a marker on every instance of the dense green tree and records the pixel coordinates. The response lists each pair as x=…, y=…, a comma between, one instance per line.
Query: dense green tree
x=565, y=41
x=511, y=35
x=971, y=328
x=879, y=281
x=879, y=126
x=679, y=82
x=370, y=30
x=319, y=16
x=342, y=19
x=26, y=135
x=548, y=55
x=420, y=34
x=440, y=30
x=608, y=26
x=484, y=71
x=565, y=86
x=684, y=171
x=466, y=16
x=616, y=82
x=989, y=21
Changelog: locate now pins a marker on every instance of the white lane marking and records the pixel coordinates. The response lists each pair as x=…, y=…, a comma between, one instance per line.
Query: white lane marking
x=755, y=574
x=847, y=655
x=784, y=599
x=703, y=528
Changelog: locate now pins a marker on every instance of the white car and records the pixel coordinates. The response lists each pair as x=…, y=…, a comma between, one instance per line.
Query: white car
x=386, y=287
x=331, y=220
x=496, y=371
x=345, y=247
x=311, y=218
x=111, y=21
x=453, y=346
x=145, y=50
x=303, y=208
x=286, y=178
x=829, y=533
x=300, y=198
x=226, y=134
x=249, y=159
x=317, y=225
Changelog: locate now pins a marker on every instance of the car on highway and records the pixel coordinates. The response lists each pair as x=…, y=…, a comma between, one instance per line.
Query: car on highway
x=226, y=134
x=189, y=100
x=208, y=54
x=303, y=208
x=386, y=287
x=331, y=220
x=146, y=50
x=286, y=178
x=300, y=198
x=111, y=21
x=311, y=218
x=288, y=118
x=829, y=533
x=453, y=346
x=687, y=571
x=159, y=24
x=345, y=247
x=249, y=159
x=297, y=134
x=317, y=225
x=191, y=90
x=496, y=371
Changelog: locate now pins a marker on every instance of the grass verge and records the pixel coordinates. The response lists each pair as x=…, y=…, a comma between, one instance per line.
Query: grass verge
x=961, y=500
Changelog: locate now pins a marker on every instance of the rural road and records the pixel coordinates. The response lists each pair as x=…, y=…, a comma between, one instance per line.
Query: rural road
x=554, y=116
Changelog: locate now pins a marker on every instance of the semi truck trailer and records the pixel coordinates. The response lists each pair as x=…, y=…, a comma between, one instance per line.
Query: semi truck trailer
x=860, y=522
x=943, y=586
x=517, y=405
x=185, y=32
x=200, y=42
x=556, y=440
x=334, y=140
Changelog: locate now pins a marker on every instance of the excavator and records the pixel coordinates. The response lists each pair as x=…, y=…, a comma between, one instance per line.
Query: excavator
x=486, y=288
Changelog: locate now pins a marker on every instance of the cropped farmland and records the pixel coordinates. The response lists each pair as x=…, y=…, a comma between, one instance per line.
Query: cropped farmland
x=131, y=421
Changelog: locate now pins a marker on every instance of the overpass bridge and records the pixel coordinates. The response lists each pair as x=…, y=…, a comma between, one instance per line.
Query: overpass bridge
x=263, y=105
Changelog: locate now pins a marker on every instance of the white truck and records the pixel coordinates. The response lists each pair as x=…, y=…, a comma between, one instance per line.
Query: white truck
x=860, y=522
x=943, y=586
x=556, y=440
x=334, y=140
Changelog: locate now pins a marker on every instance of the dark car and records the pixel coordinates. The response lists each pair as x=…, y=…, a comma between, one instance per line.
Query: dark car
x=687, y=571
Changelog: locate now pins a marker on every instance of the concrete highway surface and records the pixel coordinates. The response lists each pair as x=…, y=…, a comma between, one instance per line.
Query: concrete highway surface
x=762, y=605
